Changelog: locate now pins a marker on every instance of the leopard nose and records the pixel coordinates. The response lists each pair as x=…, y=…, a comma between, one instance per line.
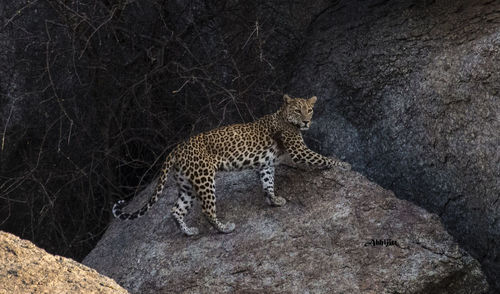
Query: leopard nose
x=306, y=122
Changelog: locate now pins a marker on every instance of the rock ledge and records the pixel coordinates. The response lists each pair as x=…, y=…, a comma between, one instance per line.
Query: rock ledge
x=25, y=268
x=320, y=241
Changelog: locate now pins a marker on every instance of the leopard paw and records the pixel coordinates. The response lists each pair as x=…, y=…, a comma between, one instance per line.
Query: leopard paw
x=344, y=166
x=190, y=231
x=226, y=228
x=278, y=201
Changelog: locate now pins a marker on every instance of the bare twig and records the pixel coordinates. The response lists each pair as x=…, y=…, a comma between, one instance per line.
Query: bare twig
x=255, y=30
x=47, y=64
x=97, y=29
x=18, y=13
x=5, y=127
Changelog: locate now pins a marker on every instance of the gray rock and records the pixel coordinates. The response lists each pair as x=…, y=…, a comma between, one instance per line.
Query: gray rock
x=316, y=243
x=410, y=94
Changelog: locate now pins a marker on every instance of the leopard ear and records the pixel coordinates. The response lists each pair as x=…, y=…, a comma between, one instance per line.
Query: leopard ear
x=313, y=99
x=287, y=99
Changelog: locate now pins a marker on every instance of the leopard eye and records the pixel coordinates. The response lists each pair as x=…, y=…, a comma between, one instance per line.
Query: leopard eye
x=310, y=110
x=297, y=111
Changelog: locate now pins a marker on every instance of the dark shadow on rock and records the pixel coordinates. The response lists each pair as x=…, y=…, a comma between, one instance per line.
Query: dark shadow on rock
x=410, y=94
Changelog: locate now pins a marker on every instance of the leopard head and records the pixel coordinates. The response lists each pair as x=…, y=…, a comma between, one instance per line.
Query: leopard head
x=299, y=111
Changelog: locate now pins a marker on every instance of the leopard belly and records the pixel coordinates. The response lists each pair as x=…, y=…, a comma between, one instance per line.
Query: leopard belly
x=250, y=159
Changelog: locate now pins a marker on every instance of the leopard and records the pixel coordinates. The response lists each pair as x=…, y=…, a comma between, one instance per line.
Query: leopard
x=260, y=145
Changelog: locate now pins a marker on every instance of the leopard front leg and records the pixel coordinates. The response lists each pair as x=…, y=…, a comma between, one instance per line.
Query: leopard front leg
x=338, y=163
x=204, y=186
x=314, y=160
x=300, y=154
x=267, y=178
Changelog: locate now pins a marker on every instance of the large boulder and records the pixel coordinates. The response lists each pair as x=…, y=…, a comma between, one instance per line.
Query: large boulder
x=25, y=268
x=410, y=94
x=338, y=233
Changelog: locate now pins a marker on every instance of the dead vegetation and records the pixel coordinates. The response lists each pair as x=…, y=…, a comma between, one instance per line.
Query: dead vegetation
x=94, y=92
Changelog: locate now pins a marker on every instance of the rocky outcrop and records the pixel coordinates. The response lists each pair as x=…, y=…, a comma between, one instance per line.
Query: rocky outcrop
x=25, y=268
x=338, y=233
x=410, y=94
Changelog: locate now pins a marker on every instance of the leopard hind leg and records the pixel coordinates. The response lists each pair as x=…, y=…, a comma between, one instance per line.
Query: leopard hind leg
x=183, y=204
x=204, y=185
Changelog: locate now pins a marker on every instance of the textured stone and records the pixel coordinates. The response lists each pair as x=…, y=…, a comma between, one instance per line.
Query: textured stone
x=25, y=268
x=316, y=242
x=409, y=92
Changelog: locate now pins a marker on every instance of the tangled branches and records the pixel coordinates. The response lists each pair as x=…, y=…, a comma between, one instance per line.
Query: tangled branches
x=95, y=92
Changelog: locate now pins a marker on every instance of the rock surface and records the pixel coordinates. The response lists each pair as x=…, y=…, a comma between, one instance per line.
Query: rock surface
x=25, y=268
x=409, y=92
x=317, y=242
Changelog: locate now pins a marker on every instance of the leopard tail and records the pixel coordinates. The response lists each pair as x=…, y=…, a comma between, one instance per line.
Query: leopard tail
x=117, y=208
